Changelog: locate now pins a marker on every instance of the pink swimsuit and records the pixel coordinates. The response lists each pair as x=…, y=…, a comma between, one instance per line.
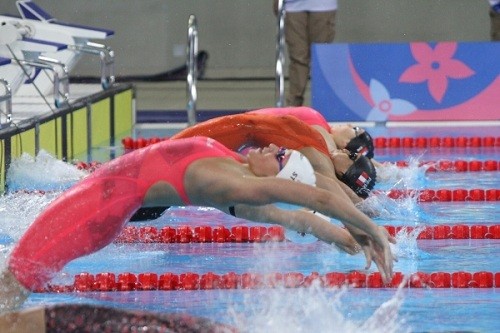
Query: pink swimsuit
x=306, y=114
x=92, y=213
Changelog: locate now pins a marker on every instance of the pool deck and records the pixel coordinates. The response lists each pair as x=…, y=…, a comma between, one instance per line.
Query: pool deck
x=165, y=103
x=157, y=99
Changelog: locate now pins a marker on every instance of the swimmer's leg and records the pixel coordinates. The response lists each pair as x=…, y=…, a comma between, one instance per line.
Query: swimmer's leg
x=83, y=220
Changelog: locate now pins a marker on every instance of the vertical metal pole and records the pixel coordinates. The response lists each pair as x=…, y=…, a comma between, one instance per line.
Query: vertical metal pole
x=280, y=57
x=192, y=67
x=7, y=98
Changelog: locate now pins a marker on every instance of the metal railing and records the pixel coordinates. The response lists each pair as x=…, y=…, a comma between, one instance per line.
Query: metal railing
x=61, y=78
x=107, y=58
x=7, y=99
x=192, y=69
x=280, y=57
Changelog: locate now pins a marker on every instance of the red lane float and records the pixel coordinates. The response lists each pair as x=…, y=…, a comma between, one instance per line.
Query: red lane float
x=201, y=234
x=444, y=195
x=129, y=143
x=432, y=166
x=107, y=281
x=257, y=234
x=457, y=231
x=436, y=142
x=426, y=195
x=456, y=166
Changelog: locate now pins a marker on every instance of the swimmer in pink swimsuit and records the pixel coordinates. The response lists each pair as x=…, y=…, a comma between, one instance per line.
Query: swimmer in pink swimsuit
x=353, y=138
x=196, y=171
x=96, y=209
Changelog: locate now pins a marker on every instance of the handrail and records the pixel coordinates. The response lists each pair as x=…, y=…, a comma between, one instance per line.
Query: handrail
x=280, y=57
x=7, y=98
x=61, y=80
x=192, y=74
x=107, y=57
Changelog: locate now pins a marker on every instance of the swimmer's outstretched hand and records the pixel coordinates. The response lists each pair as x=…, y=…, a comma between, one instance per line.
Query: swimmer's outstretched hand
x=378, y=251
x=382, y=255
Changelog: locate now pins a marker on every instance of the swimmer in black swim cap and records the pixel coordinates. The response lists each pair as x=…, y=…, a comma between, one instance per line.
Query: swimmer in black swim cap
x=356, y=171
x=362, y=143
x=354, y=139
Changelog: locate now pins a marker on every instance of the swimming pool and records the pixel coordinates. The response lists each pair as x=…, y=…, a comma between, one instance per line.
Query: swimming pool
x=256, y=308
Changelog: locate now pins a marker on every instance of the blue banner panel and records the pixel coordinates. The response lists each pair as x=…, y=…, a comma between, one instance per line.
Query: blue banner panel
x=406, y=81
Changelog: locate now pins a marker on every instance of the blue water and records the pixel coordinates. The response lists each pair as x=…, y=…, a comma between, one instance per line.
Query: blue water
x=306, y=309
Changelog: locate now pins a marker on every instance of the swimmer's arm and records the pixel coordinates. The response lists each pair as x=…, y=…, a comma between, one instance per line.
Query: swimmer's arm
x=268, y=190
x=330, y=144
x=336, y=185
x=300, y=221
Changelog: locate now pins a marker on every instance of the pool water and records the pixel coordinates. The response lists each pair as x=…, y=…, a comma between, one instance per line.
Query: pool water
x=312, y=309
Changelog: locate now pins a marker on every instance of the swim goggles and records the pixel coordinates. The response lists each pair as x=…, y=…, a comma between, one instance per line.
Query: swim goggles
x=280, y=156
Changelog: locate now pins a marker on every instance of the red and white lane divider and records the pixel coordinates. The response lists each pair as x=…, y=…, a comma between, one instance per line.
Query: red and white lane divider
x=456, y=166
x=444, y=195
x=432, y=166
x=106, y=281
x=379, y=142
x=258, y=234
x=201, y=234
x=426, y=195
x=436, y=142
x=131, y=144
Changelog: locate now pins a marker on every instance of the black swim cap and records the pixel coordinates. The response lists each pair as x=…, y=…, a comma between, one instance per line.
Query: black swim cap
x=360, y=177
x=362, y=144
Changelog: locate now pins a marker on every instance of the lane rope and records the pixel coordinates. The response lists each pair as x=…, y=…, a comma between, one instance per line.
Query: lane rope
x=455, y=166
x=425, y=195
x=129, y=143
x=260, y=234
x=113, y=282
x=444, y=195
x=431, y=166
x=436, y=142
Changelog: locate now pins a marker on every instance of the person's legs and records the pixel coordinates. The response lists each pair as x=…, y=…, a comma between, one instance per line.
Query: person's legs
x=296, y=37
x=322, y=27
x=301, y=30
x=495, y=25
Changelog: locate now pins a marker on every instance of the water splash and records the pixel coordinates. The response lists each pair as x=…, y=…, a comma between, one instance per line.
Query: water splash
x=32, y=184
x=411, y=176
x=381, y=207
x=314, y=309
x=41, y=173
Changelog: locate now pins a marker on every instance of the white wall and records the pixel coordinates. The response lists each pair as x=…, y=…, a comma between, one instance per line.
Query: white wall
x=240, y=35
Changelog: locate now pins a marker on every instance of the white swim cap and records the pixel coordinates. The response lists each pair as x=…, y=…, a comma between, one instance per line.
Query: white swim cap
x=299, y=169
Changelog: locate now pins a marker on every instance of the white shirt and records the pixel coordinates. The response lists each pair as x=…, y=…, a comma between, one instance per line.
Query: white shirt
x=310, y=5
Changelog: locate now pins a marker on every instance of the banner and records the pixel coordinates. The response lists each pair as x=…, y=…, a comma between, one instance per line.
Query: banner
x=406, y=81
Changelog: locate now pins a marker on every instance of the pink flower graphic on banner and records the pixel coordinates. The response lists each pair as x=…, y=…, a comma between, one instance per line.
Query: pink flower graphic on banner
x=436, y=66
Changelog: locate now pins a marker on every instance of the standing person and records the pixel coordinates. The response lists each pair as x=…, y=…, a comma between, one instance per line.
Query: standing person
x=196, y=171
x=495, y=19
x=306, y=22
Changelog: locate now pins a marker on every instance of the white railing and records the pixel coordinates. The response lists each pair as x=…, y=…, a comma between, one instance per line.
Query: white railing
x=192, y=69
x=280, y=57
